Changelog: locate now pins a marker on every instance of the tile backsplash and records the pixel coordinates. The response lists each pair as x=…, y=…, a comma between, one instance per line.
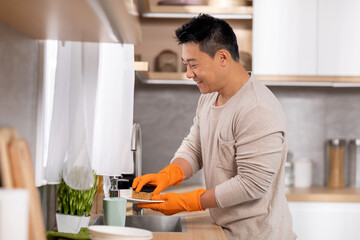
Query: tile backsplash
x=19, y=67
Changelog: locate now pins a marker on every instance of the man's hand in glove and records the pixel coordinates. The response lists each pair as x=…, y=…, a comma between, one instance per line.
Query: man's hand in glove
x=176, y=202
x=171, y=175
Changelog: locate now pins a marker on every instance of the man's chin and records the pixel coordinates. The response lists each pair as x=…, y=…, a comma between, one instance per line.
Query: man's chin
x=204, y=91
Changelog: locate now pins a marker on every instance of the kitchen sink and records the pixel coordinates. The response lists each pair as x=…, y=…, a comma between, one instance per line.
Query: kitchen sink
x=151, y=223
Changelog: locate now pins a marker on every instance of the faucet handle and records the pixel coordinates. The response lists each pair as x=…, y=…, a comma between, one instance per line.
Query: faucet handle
x=136, y=147
x=137, y=210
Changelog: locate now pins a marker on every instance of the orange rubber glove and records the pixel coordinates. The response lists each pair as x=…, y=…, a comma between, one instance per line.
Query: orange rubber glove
x=171, y=175
x=176, y=202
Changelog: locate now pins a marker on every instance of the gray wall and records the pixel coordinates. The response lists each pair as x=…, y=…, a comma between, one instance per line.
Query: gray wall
x=18, y=83
x=19, y=64
x=314, y=114
x=165, y=114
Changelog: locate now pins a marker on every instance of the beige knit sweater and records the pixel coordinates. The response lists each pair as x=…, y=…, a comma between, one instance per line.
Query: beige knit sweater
x=242, y=148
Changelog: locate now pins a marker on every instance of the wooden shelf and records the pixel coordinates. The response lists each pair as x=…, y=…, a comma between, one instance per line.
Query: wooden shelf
x=337, y=79
x=69, y=20
x=323, y=194
x=141, y=66
x=162, y=11
x=167, y=78
x=310, y=81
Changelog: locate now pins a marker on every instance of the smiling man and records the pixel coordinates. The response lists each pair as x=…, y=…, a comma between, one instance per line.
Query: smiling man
x=238, y=137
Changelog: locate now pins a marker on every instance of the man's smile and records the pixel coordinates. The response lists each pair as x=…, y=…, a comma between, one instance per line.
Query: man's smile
x=198, y=82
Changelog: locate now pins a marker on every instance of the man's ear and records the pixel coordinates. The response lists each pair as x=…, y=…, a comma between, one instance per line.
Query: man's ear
x=223, y=56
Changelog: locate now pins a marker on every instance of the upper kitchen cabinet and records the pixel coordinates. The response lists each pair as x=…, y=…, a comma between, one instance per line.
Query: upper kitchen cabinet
x=339, y=38
x=150, y=9
x=69, y=20
x=284, y=37
x=307, y=41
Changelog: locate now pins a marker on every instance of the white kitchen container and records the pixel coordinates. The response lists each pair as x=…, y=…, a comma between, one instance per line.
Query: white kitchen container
x=303, y=172
x=354, y=161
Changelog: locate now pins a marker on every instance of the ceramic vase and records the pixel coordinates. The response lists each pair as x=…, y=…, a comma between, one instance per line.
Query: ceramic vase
x=67, y=223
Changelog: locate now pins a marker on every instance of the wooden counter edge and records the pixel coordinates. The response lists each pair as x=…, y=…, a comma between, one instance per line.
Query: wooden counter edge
x=199, y=226
x=322, y=194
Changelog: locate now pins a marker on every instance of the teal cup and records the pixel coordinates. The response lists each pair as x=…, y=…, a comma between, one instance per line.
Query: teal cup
x=114, y=211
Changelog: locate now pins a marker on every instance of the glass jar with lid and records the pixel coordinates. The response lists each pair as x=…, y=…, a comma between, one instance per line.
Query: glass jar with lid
x=335, y=164
x=354, y=163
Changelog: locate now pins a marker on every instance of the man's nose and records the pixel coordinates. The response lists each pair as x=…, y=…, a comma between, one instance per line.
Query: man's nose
x=189, y=73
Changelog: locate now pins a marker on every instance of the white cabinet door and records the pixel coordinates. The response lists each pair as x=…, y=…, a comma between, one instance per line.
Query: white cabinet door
x=325, y=220
x=339, y=37
x=285, y=37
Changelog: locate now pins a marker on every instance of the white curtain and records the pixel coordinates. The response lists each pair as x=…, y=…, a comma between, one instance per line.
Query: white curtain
x=92, y=114
x=114, y=112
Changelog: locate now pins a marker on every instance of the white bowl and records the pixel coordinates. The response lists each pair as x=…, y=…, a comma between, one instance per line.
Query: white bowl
x=115, y=232
x=120, y=238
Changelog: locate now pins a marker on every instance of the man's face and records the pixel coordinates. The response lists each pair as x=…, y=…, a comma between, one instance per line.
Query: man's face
x=201, y=68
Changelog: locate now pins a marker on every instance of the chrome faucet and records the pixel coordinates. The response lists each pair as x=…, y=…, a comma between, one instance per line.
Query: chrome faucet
x=136, y=147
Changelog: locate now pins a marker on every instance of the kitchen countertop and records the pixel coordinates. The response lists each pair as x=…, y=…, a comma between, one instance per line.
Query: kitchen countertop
x=199, y=226
x=322, y=194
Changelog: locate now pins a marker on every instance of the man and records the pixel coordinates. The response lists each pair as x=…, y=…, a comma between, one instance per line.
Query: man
x=238, y=138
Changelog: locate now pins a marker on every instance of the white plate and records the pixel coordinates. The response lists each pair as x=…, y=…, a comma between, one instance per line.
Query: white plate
x=142, y=201
x=102, y=237
x=125, y=192
x=120, y=238
x=107, y=232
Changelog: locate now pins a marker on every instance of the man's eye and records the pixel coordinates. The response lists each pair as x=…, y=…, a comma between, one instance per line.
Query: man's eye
x=193, y=66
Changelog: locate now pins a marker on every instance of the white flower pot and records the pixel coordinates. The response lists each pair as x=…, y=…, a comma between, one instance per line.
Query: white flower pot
x=67, y=223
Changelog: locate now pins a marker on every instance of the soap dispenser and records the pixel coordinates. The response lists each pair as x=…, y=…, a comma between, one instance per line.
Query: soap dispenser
x=114, y=191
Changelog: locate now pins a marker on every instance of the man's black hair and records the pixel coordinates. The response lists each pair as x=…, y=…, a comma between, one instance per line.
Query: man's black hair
x=212, y=34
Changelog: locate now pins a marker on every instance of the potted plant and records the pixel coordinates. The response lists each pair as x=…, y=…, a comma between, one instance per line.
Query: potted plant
x=74, y=206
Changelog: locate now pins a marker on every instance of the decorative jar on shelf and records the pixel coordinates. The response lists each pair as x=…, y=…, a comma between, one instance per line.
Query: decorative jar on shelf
x=335, y=164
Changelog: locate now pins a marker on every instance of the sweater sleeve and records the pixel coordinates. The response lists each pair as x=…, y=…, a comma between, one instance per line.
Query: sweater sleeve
x=190, y=148
x=259, y=145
